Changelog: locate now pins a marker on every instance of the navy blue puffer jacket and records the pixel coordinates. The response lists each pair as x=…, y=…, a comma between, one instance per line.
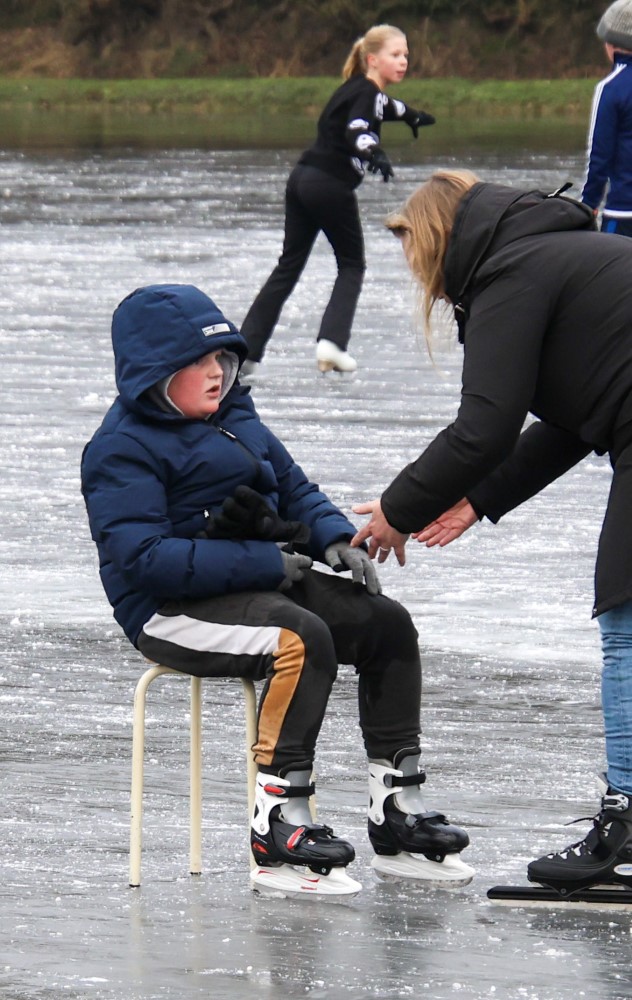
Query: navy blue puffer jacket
x=148, y=476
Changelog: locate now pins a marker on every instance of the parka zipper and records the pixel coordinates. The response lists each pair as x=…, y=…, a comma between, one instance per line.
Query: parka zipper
x=247, y=452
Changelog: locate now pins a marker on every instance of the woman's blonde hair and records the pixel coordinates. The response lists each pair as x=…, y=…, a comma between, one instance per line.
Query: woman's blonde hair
x=370, y=44
x=425, y=223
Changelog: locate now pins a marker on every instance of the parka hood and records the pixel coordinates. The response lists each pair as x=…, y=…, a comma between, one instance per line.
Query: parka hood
x=159, y=329
x=492, y=215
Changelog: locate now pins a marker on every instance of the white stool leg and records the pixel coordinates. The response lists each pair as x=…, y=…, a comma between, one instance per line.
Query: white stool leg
x=250, y=698
x=195, y=786
x=195, y=779
x=138, y=754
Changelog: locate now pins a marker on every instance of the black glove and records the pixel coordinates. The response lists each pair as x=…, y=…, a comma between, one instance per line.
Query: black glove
x=294, y=566
x=417, y=119
x=247, y=515
x=380, y=163
x=341, y=556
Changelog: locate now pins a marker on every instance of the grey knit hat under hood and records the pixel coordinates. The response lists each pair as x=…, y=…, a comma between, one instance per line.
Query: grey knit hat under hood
x=615, y=26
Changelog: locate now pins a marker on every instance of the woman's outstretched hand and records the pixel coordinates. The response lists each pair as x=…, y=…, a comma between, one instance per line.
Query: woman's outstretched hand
x=382, y=538
x=448, y=526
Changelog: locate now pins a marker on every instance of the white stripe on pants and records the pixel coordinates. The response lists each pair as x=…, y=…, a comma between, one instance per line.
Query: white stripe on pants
x=210, y=637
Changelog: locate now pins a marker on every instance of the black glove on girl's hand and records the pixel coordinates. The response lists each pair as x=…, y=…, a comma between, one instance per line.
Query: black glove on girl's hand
x=380, y=163
x=417, y=120
x=247, y=515
x=341, y=556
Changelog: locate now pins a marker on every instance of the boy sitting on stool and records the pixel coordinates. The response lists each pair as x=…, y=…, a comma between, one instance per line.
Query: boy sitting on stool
x=206, y=531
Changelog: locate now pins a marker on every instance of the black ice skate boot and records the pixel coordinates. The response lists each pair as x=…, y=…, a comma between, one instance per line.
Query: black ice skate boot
x=293, y=855
x=604, y=857
x=409, y=841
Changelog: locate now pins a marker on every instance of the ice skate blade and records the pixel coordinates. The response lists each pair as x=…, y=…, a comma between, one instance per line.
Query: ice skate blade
x=451, y=873
x=287, y=881
x=602, y=898
x=326, y=367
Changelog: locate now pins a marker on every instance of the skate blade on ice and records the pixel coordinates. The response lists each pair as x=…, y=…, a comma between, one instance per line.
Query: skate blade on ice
x=451, y=873
x=598, y=897
x=286, y=880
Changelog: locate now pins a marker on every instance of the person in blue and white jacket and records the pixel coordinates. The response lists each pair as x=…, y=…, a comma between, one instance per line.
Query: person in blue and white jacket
x=206, y=531
x=610, y=132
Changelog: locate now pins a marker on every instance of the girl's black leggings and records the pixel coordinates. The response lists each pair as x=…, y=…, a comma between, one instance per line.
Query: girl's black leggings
x=314, y=201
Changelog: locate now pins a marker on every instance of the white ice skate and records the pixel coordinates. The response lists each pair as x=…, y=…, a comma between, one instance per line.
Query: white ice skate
x=293, y=855
x=410, y=843
x=330, y=357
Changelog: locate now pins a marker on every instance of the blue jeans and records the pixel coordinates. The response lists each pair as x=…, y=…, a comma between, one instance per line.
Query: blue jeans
x=616, y=693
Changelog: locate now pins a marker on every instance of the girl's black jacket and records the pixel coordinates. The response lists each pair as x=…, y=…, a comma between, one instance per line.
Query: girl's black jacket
x=544, y=307
x=349, y=128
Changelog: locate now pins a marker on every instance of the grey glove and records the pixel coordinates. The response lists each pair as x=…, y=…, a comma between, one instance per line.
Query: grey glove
x=293, y=567
x=341, y=556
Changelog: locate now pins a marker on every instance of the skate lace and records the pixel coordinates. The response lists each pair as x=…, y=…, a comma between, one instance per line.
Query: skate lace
x=612, y=802
x=587, y=844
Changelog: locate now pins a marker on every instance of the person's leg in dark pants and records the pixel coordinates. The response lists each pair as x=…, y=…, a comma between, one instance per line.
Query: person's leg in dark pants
x=378, y=637
x=344, y=232
x=334, y=207
x=314, y=201
x=375, y=635
x=301, y=229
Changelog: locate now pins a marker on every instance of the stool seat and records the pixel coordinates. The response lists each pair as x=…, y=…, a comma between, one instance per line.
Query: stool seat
x=195, y=774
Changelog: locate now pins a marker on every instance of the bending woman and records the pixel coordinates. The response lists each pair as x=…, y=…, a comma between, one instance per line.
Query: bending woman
x=320, y=194
x=544, y=309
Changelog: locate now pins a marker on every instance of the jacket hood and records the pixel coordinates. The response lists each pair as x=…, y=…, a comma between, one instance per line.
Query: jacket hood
x=159, y=329
x=491, y=215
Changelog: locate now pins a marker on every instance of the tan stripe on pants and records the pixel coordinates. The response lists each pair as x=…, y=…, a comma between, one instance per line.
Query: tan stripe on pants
x=289, y=659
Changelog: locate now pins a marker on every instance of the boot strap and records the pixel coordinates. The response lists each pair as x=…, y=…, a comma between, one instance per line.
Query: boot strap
x=289, y=791
x=403, y=780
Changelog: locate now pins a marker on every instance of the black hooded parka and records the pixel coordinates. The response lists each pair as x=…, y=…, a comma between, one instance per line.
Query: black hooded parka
x=544, y=308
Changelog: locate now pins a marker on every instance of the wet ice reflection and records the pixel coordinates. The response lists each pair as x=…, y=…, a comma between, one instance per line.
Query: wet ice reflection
x=512, y=725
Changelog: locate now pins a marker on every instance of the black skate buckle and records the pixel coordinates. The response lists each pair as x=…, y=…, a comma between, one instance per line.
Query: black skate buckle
x=404, y=780
x=300, y=791
x=308, y=833
x=290, y=792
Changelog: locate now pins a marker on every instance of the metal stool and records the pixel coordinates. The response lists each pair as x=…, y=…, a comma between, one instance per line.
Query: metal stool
x=138, y=755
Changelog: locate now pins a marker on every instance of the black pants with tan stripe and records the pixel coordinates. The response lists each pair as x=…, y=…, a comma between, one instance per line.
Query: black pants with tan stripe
x=294, y=641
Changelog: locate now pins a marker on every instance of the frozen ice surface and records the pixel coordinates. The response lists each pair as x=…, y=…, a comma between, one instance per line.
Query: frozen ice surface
x=512, y=727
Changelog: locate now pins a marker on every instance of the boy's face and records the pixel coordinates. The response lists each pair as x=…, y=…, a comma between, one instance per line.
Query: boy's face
x=196, y=389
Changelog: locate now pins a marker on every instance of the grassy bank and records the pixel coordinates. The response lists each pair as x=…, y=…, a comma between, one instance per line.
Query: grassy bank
x=293, y=97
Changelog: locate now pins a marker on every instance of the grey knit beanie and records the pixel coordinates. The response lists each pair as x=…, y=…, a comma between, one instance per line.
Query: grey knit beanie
x=615, y=26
